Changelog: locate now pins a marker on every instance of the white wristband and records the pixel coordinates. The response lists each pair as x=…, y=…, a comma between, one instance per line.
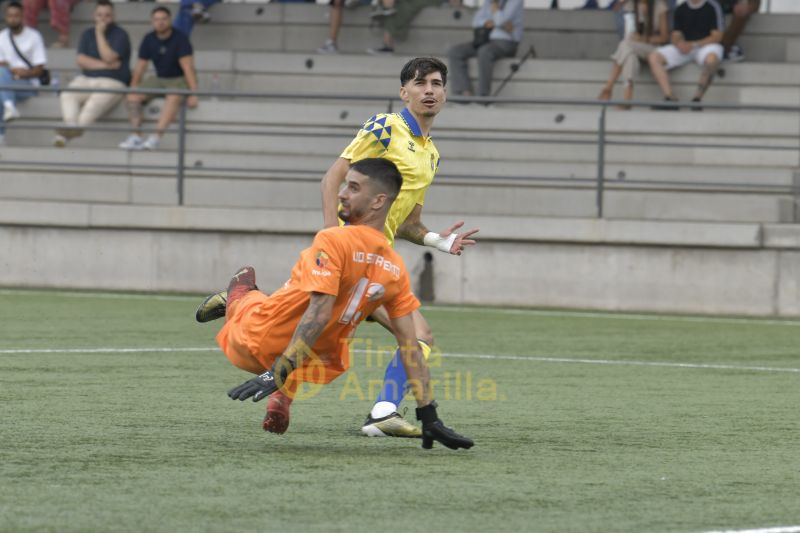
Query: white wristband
x=434, y=240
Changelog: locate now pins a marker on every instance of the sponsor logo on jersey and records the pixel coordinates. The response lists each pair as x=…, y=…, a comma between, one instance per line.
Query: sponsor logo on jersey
x=377, y=260
x=322, y=259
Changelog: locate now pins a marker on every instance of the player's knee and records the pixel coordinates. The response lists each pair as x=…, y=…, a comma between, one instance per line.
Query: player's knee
x=426, y=336
x=426, y=349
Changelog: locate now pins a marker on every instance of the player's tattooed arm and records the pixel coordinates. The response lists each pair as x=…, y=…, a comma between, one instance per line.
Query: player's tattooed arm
x=448, y=241
x=310, y=327
x=412, y=229
x=419, y=377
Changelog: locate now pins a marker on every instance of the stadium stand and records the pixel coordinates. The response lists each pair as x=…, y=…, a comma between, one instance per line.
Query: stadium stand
x=713, y=183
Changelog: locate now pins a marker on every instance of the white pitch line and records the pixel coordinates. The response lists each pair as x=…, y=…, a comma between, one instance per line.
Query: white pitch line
x=442, y=308
x=530, y=358
x=622, y=362
x=104, y=350
x=612, y=315
x=104, y=295
x=786, y=529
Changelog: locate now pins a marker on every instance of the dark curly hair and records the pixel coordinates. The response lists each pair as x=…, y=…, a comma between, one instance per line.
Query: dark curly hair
x=419, y=67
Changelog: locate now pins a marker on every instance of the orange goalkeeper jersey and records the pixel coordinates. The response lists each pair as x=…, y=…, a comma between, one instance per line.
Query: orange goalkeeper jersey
x=354, y=263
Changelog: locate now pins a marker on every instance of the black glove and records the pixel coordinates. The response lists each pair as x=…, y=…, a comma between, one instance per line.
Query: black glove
x=434, y=429
x=262, y=386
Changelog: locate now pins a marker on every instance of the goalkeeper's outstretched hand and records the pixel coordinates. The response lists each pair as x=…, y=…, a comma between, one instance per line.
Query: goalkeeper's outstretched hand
x=265, y=384
x=434, y=429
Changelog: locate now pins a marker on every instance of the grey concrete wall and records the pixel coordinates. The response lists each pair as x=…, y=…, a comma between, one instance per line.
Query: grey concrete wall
x=601, y=268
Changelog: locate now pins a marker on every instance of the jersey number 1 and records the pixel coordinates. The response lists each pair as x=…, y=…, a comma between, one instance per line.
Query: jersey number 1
x=356, y=294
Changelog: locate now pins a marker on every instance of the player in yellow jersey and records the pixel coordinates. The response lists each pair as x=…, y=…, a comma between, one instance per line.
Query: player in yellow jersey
x=403, y=138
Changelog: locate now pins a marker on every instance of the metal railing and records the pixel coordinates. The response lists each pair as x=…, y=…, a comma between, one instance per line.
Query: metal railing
x=601, y=141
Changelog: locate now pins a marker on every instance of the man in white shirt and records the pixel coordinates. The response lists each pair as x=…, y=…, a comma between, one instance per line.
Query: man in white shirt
x=22, y=60
x=497, y=30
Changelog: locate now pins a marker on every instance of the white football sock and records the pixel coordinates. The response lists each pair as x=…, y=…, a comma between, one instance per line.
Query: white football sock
x=381, y=409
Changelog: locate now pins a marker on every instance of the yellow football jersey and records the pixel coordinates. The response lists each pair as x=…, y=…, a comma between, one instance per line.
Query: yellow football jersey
x=398, y=138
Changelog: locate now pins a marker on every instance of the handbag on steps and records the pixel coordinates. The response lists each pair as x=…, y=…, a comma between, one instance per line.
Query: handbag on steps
x=480, y=36
x=44, y=77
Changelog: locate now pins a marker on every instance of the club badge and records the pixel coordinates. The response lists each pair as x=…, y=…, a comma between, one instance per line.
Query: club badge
x=322, y=259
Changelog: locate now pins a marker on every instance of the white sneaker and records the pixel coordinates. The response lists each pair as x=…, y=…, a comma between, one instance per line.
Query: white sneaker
x=328, y=48
x=10, y=111
x=133, y=142
x=735, y=54
x=59, y=141
x=152, y=142
x=199, y=13
x=381, y=12
x=392, y=425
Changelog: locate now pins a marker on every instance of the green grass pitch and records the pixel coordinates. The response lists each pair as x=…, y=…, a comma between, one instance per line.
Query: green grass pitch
x=102, y=433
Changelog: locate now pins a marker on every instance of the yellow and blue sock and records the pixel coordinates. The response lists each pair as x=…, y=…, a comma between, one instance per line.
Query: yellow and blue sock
x=394, y=385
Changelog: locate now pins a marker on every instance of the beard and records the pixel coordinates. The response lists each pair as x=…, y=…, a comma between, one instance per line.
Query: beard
x=352, y=215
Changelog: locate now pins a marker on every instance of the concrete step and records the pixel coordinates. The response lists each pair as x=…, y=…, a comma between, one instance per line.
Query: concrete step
x=386, y=69
x=538, y=156
x=462, y=171
x=65, y=186
x=698, y=206
x=618, y=203
x=298, y=27
x=513, y=228
x=465, y=120
x=533, y=70
x=557, y=196
x=329, y=89
x=64, y=59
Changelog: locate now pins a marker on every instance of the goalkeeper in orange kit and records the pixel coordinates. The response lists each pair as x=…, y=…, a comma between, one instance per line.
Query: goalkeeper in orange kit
x=300, y=333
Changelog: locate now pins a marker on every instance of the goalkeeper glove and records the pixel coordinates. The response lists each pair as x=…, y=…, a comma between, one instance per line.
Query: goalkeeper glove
x=265, y=384
x=434, y=429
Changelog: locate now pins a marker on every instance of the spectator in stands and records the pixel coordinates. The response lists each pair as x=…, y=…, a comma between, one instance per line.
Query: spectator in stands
x=22, y=61
x=651, y=30
x=59, y=17
x=696, y=36
x=396, y=18
x=191, y=11
x=616, y=6
x=104, y=56
x=334, y=24
x=741, y=10
x=171, y=53
x=497, y=29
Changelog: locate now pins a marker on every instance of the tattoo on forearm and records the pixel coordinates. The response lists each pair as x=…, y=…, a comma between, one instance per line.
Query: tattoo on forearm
x=307, y=332
x=412, y=232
